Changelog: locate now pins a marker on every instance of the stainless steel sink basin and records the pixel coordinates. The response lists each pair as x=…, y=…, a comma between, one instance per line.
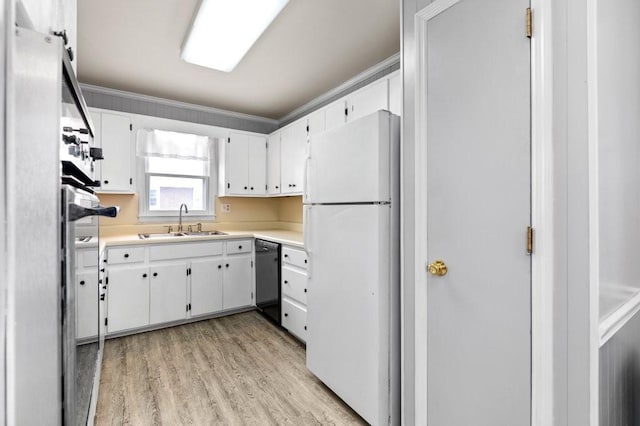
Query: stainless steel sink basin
x=196, y=233
x=179, y=234
x=161, y=235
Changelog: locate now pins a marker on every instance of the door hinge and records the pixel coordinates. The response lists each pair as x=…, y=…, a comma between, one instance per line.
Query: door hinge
x=530, y=241
x=130, y=181
x=529, y=22
x=106, y=282
x=188, y=307
x=266, y=145
x=346, y=112
x=252, y=263
x=307, y=129
x=228, y=140
x=251, y=295
x=106, y=321
x=130, y=127
x=228, y=185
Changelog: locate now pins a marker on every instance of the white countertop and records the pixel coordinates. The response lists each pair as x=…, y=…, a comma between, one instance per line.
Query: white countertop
x=290, y=238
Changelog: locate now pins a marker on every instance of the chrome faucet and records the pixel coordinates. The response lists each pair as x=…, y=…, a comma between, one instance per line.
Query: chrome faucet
x=186, y=210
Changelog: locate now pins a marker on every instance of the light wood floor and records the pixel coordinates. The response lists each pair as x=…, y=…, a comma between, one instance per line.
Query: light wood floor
x=233, y=370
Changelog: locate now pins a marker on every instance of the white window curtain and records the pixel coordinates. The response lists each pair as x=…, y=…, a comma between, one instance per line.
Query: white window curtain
x=165, y=144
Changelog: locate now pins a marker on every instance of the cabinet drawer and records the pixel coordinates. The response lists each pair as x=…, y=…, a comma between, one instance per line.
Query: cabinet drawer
x=239, y=246
x=294, y=284
x=86, y=258
x=185, y=250
x=294, y=319
x=125, y=255
x=295, y=257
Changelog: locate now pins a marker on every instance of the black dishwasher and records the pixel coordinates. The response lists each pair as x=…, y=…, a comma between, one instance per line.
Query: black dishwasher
x=268, y=279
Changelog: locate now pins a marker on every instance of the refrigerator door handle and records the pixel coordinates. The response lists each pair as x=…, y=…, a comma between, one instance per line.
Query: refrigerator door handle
x=305, y=185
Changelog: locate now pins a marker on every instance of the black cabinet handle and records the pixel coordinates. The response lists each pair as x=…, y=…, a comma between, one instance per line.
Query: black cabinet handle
x=102, y=296
x=252, y=188
x=305, y=290
x=82, y=282
x=286, y=255
x=305, y=327
x=286, y=282
x=239, y=247
x=227, y=265
x=276, y=186
x=106, y=182
x=219, y=266
x=155, y=274
x=144, y=275
x=286, y=315
x=126, y=255
x=305, y=261
x=245, y=187
x=294, y=185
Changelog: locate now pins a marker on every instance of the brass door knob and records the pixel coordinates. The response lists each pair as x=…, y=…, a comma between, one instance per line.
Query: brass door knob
x=437, y=268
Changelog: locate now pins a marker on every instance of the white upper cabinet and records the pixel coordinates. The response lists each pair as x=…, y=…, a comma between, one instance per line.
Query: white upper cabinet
x=273, y=164
x=243, y=165
x=293, y=148
x=116, y=171
x=335, y=114
x=316, y=122
x=257, y=165
x=395, y=95
x=368, y=100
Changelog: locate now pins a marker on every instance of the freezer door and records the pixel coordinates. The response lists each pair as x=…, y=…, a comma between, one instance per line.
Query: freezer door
x=348, y=311
x=353, y=163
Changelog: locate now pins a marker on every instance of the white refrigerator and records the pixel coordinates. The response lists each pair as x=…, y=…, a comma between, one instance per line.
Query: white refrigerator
x=352, y=239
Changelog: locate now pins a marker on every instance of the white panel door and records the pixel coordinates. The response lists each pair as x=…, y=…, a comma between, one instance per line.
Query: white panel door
x=477, y=190
x=236, y=282
x=237, y=163
x=352, y=163
x=273, y=164
x=294, y=152
x=167, y=293
x=368, y=100
x=206, y=286
x=349, y=289
x=257, y=165
x=334, y=114
x=87, y=292
x=115, y=137
x=128, y=298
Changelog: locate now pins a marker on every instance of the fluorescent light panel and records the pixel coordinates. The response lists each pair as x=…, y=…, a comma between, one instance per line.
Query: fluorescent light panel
x=224, y=31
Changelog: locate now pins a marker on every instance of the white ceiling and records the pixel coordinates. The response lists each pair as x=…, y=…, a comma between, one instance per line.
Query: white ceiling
x=310, y=48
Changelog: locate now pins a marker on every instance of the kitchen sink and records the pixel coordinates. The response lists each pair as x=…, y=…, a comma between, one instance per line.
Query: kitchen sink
x=179, y=234
x=196, y=233
x=161, y=235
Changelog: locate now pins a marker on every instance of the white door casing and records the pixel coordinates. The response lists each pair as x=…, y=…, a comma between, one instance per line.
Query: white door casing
x=473, y=142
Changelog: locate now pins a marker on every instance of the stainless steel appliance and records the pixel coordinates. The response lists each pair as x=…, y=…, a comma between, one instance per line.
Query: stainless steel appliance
x=268, y=279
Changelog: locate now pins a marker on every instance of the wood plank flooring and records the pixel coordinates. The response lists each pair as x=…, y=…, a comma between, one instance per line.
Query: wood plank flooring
x=234, y=370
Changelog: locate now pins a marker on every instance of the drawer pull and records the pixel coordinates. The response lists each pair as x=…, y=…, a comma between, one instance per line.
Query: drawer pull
x=286, y=315
x=286, y=282
x=305, y=261
x=219, y=266
x=239, y=247
x=144, y=275
x=227, y=265
x=126, y=255
x=305, y=290
x=305, y=327
x=155, y=274
x=286, y=255
x=82, y=282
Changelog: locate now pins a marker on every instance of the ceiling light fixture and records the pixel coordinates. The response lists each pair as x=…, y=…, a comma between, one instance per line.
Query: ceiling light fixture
x=223, y=31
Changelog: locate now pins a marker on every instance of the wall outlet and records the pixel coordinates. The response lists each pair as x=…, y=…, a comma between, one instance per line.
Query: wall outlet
x=226, y=208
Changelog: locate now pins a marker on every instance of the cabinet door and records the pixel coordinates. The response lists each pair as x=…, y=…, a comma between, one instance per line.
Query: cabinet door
x=316, y=122
x=273, y=164
x=395, y=95
x=294, y=154
x=334, y=114
x=115, y=137
x=128, y=298
x=236, y=282
x=87, y=301
x=96, y=119
x=167, y=293
x=368, y=100
x=257, y=165
x=237, y=166
x=206, y=286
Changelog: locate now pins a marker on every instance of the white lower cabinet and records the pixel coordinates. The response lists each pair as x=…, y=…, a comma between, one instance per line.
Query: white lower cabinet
x=294, y=291
x=206, y=286
x=87, y=293
x=237, y=286
x=167, y=293
x=128, y=297
x=174, y=282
